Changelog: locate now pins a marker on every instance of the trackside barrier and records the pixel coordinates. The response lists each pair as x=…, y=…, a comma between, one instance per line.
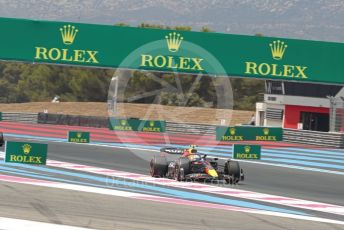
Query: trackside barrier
x=323, y=139
x=74, y=120
x=131, y=124
x=249, y=133
x=20, y=117
x=172, y=127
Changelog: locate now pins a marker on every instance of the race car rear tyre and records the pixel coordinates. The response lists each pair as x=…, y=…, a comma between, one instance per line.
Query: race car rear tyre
x=158, y=166
x=232, y=168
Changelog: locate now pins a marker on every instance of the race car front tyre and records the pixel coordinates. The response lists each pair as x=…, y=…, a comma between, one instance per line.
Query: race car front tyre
x=179, y=173
x=232, y=169
x=184, y=163
x=182, y=168
x=158, y=166
x=242, y=176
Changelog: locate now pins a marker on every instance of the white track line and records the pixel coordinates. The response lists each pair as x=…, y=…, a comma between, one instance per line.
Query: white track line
x=139, y=196
x=17, y=224
x=225, y=191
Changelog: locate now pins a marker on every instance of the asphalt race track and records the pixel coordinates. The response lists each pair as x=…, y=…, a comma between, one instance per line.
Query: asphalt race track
x=99, y=211
x=261, y=178
x=104, y=212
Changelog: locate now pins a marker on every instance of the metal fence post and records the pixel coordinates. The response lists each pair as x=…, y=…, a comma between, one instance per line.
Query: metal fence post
x=332, y=119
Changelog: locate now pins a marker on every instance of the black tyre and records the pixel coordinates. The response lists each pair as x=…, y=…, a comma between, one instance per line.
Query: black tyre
x=242, y=176
x=232, y=168
x=184, y=163
x=158, y=166
x=179, y=174
x=229, y=180
x=182, y=168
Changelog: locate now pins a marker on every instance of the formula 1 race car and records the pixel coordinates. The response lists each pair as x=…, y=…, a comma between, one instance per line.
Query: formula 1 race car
x=194, y=166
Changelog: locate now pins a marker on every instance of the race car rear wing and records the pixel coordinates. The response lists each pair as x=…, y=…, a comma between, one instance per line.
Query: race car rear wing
x=172, y=150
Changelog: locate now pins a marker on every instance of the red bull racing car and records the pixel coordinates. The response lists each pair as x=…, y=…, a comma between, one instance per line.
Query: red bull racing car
x=192, y=165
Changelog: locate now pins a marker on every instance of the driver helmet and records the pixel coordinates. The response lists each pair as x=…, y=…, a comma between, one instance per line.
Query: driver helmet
x=192, y=149
x=192, y=157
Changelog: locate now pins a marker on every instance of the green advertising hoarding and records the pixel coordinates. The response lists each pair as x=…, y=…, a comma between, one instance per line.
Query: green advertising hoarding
x=171, y=51
x=247, y=152
x=0, y=116
x=152, y=126
x=249, y=133
x=26, y=152
x=79, y=137
x=124, y=124
x=137, y=125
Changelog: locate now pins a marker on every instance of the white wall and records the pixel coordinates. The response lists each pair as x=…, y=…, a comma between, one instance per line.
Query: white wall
x=261, y=106
x=297, y=100
x=274, y=123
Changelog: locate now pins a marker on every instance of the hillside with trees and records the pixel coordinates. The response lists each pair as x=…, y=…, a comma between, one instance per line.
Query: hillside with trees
x=21, y=82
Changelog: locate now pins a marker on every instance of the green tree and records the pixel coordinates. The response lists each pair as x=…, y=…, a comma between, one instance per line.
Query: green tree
x=146, y=25
x=246, y=92
x=206, y=29
x=122, y=24
x=89, y=85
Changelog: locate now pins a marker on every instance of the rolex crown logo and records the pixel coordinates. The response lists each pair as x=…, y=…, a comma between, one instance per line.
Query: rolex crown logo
x=247, y=149
x=68, y=34
x=78, y=135
x=123, y=122
x=151, y=123
x=277, y=49
x=266, y=131
x=232, y=131
x=26, y=148
x=173, y=41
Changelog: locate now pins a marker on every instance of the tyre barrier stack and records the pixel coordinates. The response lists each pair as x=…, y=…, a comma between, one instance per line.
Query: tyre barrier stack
x=73, y=120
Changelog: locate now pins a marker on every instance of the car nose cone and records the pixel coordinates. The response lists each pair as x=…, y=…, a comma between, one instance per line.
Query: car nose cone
x=213, y=173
